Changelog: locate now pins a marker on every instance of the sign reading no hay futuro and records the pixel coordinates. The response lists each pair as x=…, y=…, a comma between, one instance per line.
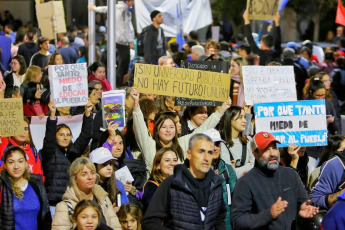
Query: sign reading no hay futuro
x=68, y=84
x=181, y=82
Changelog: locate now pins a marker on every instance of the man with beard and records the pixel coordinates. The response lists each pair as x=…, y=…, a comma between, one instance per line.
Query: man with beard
x=269, y=196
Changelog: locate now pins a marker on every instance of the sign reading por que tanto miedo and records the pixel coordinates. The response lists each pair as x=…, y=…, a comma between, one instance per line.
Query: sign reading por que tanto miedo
x=68, y=84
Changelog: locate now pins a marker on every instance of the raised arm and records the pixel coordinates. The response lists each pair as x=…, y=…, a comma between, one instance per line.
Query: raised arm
x=278, y=39
x=49, y=142
x=248, y=33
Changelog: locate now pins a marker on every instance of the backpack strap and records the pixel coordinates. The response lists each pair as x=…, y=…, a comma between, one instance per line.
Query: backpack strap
x=244, y=153
x=70, y=207
x=226, y=178
x=152, y=181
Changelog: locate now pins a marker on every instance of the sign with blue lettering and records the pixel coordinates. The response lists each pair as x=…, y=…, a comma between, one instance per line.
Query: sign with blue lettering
x=300, y=122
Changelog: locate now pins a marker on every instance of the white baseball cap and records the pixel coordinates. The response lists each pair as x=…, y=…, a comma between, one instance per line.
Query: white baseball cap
x=101, y=155
x=213, y=134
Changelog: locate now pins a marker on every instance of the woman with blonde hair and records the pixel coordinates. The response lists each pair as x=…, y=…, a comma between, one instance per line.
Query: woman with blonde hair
x=236, y=84
x=83, y=186
x=23, y=203
x=33, y=74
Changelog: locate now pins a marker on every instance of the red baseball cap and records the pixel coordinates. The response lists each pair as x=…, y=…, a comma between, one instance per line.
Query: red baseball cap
x=263, y=139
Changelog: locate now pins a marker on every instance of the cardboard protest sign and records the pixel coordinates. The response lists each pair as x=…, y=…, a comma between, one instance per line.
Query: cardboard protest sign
x=300, y=122
x=68, y=84
x=113, y=104
x=11, y=117
x=180, y=82
x=51, y=18
x=268, y=84
x=262, y=10
x=38, y=128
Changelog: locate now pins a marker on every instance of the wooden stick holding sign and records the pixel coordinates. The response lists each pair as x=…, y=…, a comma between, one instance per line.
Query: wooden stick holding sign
x=262, y=10
x=180, y=82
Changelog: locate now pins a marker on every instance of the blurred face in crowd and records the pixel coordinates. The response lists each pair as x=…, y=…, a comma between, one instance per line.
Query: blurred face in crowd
x=100, y=73
x=216, y=149
x=105, y=170
x=130, y=223
x=169, y=63
x=238, y=123
x=213, y=50
x=39, y=77
x=16, y=165
x=58, y=60
x=168, y=161
x=130, y=3
x=117, y=148
x=200, y=158
x=199, y=116
x=269, y=157
x=320, y=94
x=20, y=140
x=99, y=89
x=149, y=96
x=45, y=46
x=94, y=97
x=15, y=65
x=158, y=19
x=38, y=92
x=167, y=131
x=327, y=81
x=234, y=68
x=63, y=137
x=86, y=179
x=64, y=111
x=178, y=124
x=88, y=219
x=340, y=31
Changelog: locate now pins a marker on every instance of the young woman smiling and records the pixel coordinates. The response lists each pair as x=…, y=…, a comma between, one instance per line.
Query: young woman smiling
x=165, y=132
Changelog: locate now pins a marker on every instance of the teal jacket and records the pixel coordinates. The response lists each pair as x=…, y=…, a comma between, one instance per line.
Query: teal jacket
x=231, y=181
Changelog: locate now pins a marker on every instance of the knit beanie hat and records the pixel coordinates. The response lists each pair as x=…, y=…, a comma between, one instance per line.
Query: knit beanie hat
x=154, y=14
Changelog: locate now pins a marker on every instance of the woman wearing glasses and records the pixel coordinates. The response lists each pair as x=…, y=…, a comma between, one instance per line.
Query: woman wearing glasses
x=18, y=67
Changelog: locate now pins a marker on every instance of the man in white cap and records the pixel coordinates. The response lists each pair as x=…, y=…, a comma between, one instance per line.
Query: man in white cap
x=269, y=196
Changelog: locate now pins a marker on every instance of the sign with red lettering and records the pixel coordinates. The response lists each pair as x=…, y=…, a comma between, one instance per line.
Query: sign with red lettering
x=68, y=84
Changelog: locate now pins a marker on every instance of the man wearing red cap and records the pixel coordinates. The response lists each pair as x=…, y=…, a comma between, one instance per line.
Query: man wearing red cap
x=269, y=196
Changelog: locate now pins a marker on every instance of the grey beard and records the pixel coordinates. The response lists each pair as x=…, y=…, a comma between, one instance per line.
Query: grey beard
x=269, y=166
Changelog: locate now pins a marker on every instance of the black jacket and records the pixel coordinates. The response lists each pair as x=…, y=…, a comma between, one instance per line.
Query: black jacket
x=6, y=206
x=258, y=190
x=56, y=161
x=266, y=56
x=179, y=198
x=151, y=52
x=27, y=50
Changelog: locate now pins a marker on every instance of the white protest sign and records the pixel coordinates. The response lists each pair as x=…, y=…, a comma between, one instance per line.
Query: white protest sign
x=38, y=128
x=68, y=84
x=300, y=122
x=268, y=84
x=124, y=175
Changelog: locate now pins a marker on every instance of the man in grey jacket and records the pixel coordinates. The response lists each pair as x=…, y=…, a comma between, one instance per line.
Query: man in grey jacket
x=124, y=35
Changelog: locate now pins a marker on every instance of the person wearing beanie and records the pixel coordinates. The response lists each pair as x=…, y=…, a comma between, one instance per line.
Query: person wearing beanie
x=269, y=196
x=154, y=39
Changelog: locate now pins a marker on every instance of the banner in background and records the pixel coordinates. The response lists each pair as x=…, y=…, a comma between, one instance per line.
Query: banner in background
x=262, y=10
x=268, y=84
x=300, y=122
x=195, y=14
x=181, y=82
x=68, y=84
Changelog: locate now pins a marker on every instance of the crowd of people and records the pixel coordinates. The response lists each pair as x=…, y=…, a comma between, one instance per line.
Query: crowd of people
x=194, y=167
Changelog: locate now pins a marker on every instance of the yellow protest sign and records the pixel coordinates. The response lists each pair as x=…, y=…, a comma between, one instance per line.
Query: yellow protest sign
x=11, y=117
x=262, y=10
x=181, y=82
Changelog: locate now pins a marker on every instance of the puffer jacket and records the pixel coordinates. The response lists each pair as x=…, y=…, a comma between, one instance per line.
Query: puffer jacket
x=62, y=219
x=6, y=205
x=56, y=160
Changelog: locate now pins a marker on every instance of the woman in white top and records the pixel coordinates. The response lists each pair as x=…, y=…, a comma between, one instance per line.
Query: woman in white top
x=165, y=132
x=237, y=147
x=18, y=67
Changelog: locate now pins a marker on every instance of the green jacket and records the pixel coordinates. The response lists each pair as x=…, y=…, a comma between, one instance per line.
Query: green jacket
x=231, y=181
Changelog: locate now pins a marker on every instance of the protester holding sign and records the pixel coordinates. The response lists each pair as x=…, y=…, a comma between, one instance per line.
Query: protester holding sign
x=237, y=147
x=59, y=151
x=165, y=132
x=31, y=100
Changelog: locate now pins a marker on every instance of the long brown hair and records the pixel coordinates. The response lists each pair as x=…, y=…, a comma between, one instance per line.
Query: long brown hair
x=17, y=190
x=225, y=125
x=174, y=145
x=111, y=183
x=82, y=205
x=156, y=173
x=132, y=210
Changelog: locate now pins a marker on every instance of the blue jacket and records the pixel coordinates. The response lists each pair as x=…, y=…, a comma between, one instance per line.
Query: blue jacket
x=121, y=188
x=5, y=45
x=330, y=177
x=335, y=217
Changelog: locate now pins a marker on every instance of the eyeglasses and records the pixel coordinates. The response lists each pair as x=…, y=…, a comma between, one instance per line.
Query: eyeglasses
x=14, y=63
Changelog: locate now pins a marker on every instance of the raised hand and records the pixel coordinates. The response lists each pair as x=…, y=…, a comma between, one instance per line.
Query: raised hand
x=112, y=127
x=278, y=207
x=247, y=108
x=135, y=95
x=88, y=108
x=52, y=108
x=246, y=17
x=91, y=7
x=225, y=106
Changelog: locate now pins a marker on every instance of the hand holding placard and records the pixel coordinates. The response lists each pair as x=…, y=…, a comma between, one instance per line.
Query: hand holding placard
x=11, y=117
